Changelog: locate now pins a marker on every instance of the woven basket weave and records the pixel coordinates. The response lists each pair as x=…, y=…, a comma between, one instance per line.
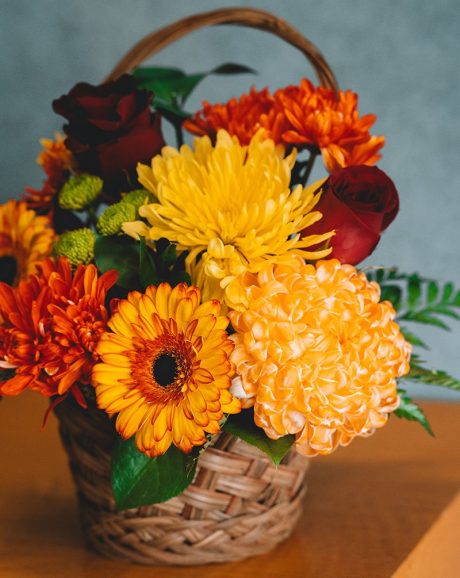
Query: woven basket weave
x=239, y=503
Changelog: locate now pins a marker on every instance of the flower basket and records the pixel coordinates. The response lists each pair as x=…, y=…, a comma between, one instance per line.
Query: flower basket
x=194, y=314
x=239, y=505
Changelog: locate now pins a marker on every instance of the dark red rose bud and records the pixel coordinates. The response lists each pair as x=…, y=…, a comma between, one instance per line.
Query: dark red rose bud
x=359, y=202
x=110, y=129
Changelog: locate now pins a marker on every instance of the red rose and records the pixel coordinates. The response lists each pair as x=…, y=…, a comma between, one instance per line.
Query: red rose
x=359, y=202
x=110, y=129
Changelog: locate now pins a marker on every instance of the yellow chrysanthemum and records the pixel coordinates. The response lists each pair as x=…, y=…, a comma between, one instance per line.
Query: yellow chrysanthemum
x=25, y=239
x=317, y=354
x=231, y=207
x=165, y=369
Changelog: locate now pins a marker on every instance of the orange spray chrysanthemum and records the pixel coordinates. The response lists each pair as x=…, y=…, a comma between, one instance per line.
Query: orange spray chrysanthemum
x=321, y=118
x=57, y=161
x=317, y=353
x=50, y=327
x=25, y=239
x=165, y=368
x=304, y=116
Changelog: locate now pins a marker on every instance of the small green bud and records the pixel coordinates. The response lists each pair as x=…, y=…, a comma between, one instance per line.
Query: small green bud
x=113, y=217
x=80, y=191
x=138, y=198
x=77, y=246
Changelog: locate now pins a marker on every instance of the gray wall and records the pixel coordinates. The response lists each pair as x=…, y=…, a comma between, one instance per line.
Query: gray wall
x=400, y=56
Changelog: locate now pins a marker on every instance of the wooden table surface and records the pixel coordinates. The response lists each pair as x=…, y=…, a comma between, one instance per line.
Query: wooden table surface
x=367, y=506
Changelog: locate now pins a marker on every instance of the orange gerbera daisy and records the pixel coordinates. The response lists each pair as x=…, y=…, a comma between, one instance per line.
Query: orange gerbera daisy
x=305, y=116
x=165, y=369
x=25, y=239
x=50, y=326
x=57, y=161
x=317, y=354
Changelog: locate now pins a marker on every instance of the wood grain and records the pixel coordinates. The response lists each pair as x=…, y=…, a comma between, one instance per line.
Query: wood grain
x=367, y=506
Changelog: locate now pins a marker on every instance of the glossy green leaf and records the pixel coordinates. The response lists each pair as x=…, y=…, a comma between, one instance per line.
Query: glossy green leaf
x=121, y=254
x=242, y=425
x=409, y=410
x=138, y=480
x=148, y=274
x=412, y=338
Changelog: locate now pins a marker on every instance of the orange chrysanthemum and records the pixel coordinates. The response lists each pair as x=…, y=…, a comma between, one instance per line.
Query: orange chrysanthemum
x=317, y=354
x=165, y=369
x=319, y=117
x=239, y=117
x=50, y=326
x=305, y=116
x=25, y=239
x=57, y=161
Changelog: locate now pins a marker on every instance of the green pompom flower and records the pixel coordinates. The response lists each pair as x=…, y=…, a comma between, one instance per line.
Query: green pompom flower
x=77, y=246
x=113, y=217
x=126, y=210
x=138, y=198
x=80, y=191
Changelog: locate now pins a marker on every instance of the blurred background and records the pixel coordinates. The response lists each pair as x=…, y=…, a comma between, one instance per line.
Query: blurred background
x=401, y=58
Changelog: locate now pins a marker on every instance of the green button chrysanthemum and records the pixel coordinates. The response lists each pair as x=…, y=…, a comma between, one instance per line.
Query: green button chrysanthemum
x=77, y=246
x=80, y=191
x=112, y=219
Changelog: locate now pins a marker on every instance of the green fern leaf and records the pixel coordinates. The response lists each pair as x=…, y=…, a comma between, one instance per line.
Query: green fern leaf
x=409, y=410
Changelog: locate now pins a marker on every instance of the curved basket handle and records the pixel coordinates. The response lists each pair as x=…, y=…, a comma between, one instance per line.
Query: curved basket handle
x=250, y=17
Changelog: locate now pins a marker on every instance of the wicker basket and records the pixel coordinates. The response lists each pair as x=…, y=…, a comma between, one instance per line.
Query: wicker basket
x=239, y=504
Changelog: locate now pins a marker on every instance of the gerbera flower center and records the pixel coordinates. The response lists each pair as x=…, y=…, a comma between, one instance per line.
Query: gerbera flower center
x=8, y=269
x=165, y=369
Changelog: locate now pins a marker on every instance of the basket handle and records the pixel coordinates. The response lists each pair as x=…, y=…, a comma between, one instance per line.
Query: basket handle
x=249, y=17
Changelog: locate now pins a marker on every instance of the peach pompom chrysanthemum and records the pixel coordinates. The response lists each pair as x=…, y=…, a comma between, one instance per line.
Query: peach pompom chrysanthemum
x=165, y=369
x=317, y=353
x=25, y=239
x=231, y=207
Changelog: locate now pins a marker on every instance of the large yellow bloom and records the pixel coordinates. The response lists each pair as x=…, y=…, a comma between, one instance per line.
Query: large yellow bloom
x=231, y=207
x=317, y=354
x=25, y=239
x=165, y=369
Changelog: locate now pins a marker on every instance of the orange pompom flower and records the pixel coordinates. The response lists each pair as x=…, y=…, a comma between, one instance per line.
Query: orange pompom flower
x=165, y=368
x=57, y=161
x=317, y=353
x=25, y=239
x=50, y=327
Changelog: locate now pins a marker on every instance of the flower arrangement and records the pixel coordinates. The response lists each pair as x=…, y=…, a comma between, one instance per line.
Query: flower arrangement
x=203, y=288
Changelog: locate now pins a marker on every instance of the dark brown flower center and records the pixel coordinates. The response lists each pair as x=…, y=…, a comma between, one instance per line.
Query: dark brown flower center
x=165, y=369
x=8, y=269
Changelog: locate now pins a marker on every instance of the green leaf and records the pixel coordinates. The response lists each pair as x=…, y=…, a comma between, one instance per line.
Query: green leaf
x=424, y=318
x=414, y=290
x=408, y=409
x=392, y=293
x=172, y=86
x=438, y=377
x=233, y=68
x=138, y=480
x=242, y=425
x=412, y=338
x=147, y=269
x=121, y=254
